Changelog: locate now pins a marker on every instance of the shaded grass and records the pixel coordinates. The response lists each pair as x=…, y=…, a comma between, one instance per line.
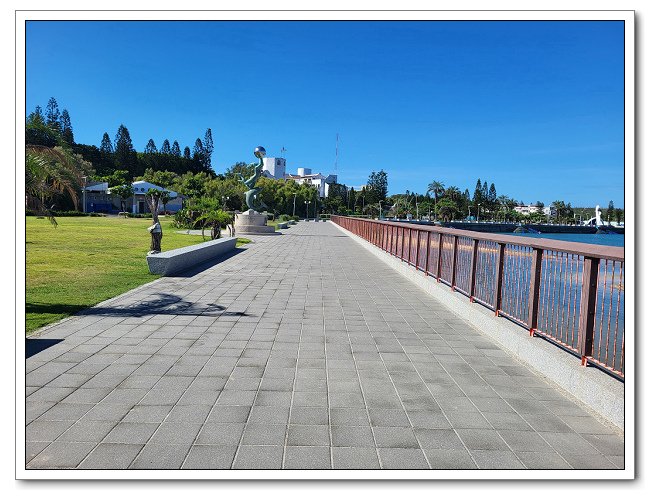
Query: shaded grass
x=86, y=260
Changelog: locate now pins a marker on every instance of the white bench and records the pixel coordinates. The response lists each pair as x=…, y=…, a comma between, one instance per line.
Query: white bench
x=172, y=262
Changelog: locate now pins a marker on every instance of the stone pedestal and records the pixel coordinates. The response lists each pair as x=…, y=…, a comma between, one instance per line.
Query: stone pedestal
x=252, y=222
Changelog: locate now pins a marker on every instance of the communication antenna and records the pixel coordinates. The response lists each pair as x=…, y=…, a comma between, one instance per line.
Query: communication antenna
x=336, y=158
x=282, y=151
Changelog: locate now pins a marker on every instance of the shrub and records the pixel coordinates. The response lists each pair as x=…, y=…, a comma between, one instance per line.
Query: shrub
x=284, y=218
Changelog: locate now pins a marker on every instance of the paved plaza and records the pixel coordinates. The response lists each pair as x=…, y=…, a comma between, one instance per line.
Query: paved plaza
x=300, y=351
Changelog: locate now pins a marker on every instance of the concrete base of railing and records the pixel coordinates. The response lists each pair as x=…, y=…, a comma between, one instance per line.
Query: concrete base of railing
x=589, y=386
x=172, y=262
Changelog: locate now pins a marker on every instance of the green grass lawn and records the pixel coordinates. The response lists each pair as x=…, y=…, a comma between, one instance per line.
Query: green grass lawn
x=86, y=260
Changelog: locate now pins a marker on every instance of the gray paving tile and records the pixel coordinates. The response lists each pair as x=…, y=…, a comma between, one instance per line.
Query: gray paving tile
x=308, y=435
x=309, y=415
x=349, y=416
x=264, y=434
x=209, y=457
x=450, y=459
x=496, y=459
x=307, y=457
x=60, y=455
x=44, y=430
x=354, y=458
x=542, y=460
x=147, y=414
x=131, y=433
x=352, y=436
x=445, y=439
x=259, y=457
x=229, y=414
x=196, y=414
x=87, y=431
x=176, y=432
x=402, y=458
x=388, y=417
x=218, y=433
x=33, y=448
x=269, y=415
x=395, y=437
x=160, y=456
x=111, y=456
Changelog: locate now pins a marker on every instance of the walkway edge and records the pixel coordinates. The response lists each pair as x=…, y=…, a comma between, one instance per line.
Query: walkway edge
x=593, y=389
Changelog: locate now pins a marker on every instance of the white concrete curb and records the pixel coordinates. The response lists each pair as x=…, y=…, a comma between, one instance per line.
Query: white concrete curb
x=593, y=389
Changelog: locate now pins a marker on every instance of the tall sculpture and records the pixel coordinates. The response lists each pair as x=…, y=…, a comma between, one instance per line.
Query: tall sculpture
x=251, y=195
x=251, y=221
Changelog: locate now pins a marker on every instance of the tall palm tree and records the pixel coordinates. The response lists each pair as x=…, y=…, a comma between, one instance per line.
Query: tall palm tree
x=437, y=188
x=50, y=172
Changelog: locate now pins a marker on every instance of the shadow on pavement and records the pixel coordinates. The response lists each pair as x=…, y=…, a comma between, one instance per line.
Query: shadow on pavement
x=34, y=346
x=165, y=303
x=204, y=266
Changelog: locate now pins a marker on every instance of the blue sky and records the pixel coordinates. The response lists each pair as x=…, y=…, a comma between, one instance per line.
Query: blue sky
x=535, y=107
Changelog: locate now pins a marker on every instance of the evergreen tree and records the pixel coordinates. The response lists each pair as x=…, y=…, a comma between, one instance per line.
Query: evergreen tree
x=187, y=153
x=52, y=115
x=208, y=147
x=477, y=193
x=106, y=145
x=36, y=117
x=377, y=186
x=66, y=127
x=125, y=156
x=150, y=148
x=197, y=153
x=484, y=191
x=166, y=149
x=176, y=149
x=610, y=211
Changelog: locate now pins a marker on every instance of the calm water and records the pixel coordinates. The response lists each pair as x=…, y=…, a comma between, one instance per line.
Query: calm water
x=614, y=240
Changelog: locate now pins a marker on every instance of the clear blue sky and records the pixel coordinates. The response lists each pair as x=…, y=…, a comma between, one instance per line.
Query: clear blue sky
x=535, y=107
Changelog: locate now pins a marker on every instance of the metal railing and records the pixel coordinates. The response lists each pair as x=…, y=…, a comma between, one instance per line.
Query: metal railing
x=569, y=293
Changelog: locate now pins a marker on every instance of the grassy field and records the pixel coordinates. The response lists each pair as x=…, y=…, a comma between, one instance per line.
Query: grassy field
x=86, y=260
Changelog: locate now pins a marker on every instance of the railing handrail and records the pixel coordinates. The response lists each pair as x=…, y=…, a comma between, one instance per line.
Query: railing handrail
x=585, y=249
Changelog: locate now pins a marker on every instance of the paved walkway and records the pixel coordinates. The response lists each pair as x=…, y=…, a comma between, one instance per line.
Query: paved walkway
x=301, y=351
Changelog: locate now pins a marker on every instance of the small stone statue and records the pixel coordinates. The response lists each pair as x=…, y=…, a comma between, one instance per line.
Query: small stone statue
x=251, y=195
x=156, y=237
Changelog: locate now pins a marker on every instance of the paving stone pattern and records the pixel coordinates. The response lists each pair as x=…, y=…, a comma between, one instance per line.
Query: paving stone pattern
x=301, y=351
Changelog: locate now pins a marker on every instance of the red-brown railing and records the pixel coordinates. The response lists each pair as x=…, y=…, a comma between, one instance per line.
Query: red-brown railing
x=570, y=293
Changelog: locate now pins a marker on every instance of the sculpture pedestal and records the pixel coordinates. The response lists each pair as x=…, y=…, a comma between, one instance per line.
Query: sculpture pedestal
x=252, y=222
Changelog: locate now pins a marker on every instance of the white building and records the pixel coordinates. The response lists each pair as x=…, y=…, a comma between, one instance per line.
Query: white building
x=137, y=202
x=274, y=167
x=526, y=209
x=321, y=182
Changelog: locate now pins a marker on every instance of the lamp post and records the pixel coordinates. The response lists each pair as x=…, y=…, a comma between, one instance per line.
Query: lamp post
x=307, y=210
x=380, y=210
x=294, y=204
x=84, y=193
x=225, y=199
x=478, y=213
x=417, y=209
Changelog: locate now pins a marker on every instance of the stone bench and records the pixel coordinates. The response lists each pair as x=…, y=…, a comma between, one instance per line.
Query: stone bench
x=172, y=262
x=283, y=225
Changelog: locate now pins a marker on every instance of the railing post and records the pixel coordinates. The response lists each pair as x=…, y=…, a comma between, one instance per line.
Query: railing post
x=439, y=266
x=453, y=263
x=417, y=248
x=534, y=291
x=426, y=262
x=588, y=308
x=401, y=253
x=498, y=285
x=408, y=258
x=472, y=273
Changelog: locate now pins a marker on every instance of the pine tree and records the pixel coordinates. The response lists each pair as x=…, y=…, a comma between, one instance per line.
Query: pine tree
x=125, y=156
x=187, y=154
x=477, y=192
x=197, y=153
x=66, y=127
x=36, y=117
x=165, y=149
x=176, y=149
x=52, y=115
x=150, y=148
x=484, y=191
x=208, y=147
x=106, y=145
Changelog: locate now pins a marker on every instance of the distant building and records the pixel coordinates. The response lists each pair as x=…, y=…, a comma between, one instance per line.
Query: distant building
x=97, y=197
x=274, y=167
x=321, y=182
x=550, y=211
x=527, y=209
x=100, y=199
